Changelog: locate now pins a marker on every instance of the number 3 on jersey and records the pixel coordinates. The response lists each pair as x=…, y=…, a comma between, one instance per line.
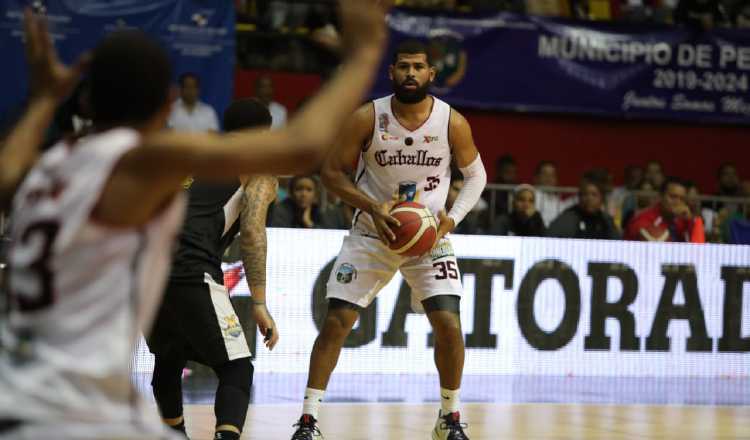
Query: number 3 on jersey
x=33, y=290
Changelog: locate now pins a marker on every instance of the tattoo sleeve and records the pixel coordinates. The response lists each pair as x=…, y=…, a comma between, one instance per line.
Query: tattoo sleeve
x=259, y=192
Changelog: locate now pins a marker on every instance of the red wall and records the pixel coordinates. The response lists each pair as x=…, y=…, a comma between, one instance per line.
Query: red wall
x=575, y=143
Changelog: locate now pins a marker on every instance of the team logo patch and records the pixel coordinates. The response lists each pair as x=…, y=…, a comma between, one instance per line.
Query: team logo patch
x=428, y=139
x=383, y=122
x=346, y=273
x=233, y=327
x=442, y=250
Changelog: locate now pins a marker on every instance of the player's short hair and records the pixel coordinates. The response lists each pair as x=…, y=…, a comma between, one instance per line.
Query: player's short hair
x=181, y=80
x=412, y=47
x=672, y=180
x=246, y=113
x=130, y=76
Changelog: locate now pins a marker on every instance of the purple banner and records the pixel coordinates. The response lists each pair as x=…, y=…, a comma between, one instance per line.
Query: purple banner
x=534, y=64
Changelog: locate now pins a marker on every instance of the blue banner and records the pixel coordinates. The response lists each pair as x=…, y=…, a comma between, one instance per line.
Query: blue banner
x=535, y=64
x=198, y=34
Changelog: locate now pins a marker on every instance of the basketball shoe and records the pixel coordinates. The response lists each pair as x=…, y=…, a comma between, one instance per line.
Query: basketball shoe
x=307, y=429
x=449, y=427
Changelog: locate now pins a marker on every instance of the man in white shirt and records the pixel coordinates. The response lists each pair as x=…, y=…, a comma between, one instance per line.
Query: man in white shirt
x=264, y=92
x=188, y=112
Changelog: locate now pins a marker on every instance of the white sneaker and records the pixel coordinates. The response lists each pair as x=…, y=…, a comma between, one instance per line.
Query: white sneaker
x=449, y=427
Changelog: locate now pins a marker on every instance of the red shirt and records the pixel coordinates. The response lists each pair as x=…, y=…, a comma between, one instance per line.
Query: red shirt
x=650, y=225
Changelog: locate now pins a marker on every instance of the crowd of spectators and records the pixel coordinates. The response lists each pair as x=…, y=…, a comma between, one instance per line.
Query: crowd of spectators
x=318, y=14
x=649, y=206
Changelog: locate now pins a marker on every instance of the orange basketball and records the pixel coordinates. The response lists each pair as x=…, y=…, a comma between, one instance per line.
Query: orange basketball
x=417, y=232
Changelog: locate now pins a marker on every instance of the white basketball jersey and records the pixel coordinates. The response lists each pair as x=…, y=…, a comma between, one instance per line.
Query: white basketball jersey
x=396, y=156
x=81, y=292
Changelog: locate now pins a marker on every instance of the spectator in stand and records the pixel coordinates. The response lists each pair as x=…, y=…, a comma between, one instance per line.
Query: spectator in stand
x=643, y=198
x=655, y=173
x=741, y=15
x=615, y=201
x=707, y=214
x=670, y=219
x=524, y=220
x=188, y=112
x=470, y=223
x=302, y=208
x=264, y=91
x=729, y=181
x=506, y=173
x=548, y=203
x=700, y=14
x=587, y=219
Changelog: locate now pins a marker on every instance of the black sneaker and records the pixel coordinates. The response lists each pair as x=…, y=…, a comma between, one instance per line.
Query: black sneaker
x=307, y=429
x=449, y=427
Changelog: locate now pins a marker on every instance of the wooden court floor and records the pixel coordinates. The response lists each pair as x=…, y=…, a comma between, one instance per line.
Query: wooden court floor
x=376, y=421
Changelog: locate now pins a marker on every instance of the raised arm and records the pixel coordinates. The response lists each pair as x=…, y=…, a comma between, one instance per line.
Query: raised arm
x=259, y=192
x=164, y=159
x=50, y=83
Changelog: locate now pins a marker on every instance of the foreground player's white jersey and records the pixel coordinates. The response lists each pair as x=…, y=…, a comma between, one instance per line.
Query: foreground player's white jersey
x=397, y=158
x=80, y=293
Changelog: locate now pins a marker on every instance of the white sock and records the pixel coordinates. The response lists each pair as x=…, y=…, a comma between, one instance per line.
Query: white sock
x=449, y=400
x=313, y=399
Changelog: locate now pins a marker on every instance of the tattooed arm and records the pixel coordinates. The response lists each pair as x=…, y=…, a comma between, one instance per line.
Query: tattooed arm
x=258, y=193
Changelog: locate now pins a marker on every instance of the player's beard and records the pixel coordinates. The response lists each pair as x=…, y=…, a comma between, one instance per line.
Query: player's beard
x=407, y=96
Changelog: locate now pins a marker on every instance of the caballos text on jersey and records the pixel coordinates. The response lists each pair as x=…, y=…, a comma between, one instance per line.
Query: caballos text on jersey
x=420, y=158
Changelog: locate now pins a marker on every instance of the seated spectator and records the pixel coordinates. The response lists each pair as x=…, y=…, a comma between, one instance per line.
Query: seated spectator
x=655, y=173
x=586, y=219
x=694, y=202
x=700, y=14
x=189, y=113
x=264, y=90
x=301, y=209
x=548, y=203
x=633, y=178
x=741, y=15
x=470, y=223
x=644, y=197
x=670, y=219
x=524, y=220
x=506, y=172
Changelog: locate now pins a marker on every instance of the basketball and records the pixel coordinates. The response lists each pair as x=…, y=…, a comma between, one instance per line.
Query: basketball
x=417, y=232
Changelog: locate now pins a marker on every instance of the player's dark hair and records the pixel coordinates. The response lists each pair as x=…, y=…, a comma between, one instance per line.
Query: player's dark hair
x=181, y=80
x=671, y=180
x=130, y=76
x=412, y=47
x=246, y=113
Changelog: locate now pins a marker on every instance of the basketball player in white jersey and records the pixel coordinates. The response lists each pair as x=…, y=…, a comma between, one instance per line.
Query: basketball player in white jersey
x=404, y=143
x=94, y=220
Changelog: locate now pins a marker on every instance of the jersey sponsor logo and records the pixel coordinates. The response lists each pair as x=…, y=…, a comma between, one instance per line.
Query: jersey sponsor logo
x=428, y=139
x=385, y=137
x=346, y=273
x=233, y=327
x=419, y=158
